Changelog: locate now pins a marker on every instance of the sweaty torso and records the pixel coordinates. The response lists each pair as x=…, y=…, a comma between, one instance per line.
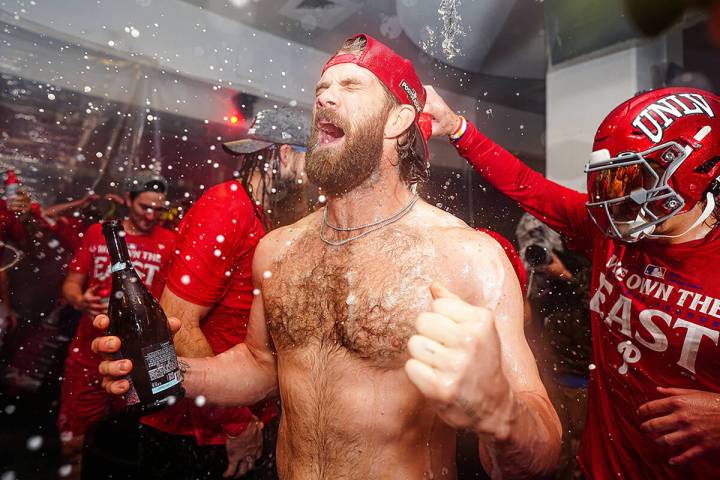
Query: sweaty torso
x=340, y=318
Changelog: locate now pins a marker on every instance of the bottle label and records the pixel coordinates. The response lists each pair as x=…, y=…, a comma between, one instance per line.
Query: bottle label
x=117, y=267
x=162, y=366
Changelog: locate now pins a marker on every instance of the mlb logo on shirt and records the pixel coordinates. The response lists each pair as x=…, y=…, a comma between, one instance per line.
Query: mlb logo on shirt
x=655, y=271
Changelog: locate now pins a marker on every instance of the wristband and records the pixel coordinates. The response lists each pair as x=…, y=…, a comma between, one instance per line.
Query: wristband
x=457, y=134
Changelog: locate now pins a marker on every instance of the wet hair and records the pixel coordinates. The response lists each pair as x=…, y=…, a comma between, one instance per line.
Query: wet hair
x=152, y=186
x=264, y=162
x=413, y=168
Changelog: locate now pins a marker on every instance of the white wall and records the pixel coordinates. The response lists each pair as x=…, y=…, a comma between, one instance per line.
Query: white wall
x=581, y=93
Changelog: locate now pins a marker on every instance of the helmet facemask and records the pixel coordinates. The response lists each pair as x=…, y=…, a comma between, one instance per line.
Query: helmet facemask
x=630, y=194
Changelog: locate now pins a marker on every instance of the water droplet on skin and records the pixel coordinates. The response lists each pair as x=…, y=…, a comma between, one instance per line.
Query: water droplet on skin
x=267, y=274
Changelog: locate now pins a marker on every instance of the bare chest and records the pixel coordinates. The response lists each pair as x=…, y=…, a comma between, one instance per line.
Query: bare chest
x=363, y=297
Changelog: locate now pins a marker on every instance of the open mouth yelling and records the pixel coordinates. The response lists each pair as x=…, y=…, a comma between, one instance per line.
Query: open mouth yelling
x=328, y=133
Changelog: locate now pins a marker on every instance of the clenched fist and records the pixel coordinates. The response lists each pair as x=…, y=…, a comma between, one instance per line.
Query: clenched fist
x=456, y=363
x=444, y=120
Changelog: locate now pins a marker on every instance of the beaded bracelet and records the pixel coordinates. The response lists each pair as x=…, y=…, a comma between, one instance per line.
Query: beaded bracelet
x=457, y=134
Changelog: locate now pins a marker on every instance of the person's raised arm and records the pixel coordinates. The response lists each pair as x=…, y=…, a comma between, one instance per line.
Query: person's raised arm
x=58, y=209
x=563, y=209
x=471, y=359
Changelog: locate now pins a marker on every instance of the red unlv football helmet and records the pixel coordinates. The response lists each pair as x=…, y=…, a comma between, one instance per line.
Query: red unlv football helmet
x=654, y=156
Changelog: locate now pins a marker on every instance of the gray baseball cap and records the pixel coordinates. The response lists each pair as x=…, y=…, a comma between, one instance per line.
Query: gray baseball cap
x=282, y=125
x=146, y=181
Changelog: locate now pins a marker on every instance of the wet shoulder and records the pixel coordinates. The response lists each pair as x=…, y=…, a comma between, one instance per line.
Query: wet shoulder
x=468, y=260
x=433, y=218
x=275, y=245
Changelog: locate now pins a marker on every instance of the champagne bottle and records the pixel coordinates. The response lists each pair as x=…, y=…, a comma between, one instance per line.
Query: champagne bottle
x=138, y=320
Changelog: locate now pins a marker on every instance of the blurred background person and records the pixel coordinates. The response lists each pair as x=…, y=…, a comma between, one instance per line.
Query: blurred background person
x=83, y=402
x=18, y=224
x=15, y=218
x=559, y=330
x=210, y=290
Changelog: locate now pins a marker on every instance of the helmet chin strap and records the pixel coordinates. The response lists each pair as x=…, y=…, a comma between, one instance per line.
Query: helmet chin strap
x=709, y=207
x=639, y=220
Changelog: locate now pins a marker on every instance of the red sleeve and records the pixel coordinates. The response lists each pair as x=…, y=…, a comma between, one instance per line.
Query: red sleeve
x=209, y=244
x=168, y=239
x=82, y=261
x=234, y=420
x=559, y=207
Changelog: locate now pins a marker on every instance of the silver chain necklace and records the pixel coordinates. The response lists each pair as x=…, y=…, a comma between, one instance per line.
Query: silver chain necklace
x=370, y=226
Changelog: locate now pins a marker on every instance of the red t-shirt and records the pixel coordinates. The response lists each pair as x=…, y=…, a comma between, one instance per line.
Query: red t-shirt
x=149, y=254
x=655, y=315
x=512, y=255
x=212, y=266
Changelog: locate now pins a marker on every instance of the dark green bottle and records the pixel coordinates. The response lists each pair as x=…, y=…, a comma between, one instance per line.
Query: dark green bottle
x=138, y=320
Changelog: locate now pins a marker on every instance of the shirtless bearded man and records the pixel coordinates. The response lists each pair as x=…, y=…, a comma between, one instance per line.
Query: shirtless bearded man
x=345, y=289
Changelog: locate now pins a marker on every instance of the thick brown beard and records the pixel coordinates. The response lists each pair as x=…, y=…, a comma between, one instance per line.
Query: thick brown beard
x=341, y=171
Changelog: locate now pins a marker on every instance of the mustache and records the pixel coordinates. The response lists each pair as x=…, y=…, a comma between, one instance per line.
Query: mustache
x=330, y=116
